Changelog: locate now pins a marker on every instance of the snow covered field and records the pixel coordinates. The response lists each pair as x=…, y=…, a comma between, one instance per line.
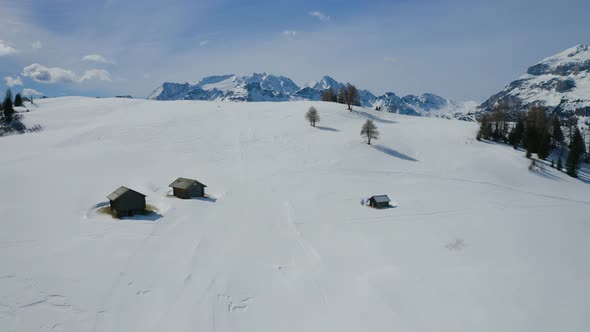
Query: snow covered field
x=477, y=242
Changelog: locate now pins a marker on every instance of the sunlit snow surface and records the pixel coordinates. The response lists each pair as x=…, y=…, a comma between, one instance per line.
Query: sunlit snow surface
x=477, y=242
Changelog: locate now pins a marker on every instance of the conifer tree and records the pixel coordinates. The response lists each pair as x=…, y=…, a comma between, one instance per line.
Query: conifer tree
x=577, y=149
x=512, y=138
x=530, y=138
x=8, y=110
x=369, y=131
x=557, y=134
x=499, y=120
x=18, y=100
x=515, y=137
x=544, y=146
x=571, y=123
x=485, y=128
x=535, y=128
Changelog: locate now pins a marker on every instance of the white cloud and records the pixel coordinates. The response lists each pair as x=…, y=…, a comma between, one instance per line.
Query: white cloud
x=44, y=74
x=13, y=81
x=6, y=49
x=320, y=16
x=204, y=43
x=95, y=58
x=31, y=92
x=99, y=74
x=289, y=33
x=36, y=45
x=390, y=59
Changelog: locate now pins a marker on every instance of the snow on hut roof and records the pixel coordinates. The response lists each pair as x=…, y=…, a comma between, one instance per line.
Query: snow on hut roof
x=120, y=192
x=184, y=183
x=381, y=198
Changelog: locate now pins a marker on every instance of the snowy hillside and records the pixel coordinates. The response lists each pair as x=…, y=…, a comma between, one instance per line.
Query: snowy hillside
x=560, y=82
x=476, y=242
x=267, y=87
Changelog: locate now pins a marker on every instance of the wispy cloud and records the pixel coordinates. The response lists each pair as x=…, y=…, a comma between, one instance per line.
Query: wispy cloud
x=95, y=58
x=36, y=45
x=31, y=92
x=44, y=74
x=99, y=74
x=289, y=33
x=10, y=81
x=204, y=43
x=6, y=49
x=320, y=16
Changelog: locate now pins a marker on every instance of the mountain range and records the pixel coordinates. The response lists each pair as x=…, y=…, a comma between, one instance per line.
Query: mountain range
x=267, y=87
x=560, y=82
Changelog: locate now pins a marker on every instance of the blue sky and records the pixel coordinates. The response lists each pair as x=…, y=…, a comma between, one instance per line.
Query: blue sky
x=463, y=50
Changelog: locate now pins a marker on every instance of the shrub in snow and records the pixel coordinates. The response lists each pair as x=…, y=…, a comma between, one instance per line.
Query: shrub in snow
x=312, y=116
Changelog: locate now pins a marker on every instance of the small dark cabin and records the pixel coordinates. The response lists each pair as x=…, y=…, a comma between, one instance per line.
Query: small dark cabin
x=126, y=202
x=187, y=188
x=379, y=201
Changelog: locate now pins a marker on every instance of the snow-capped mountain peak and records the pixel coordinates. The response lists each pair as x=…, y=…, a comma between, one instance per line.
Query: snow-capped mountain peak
x=560, y=82
x=268, y=87
x=325, y=83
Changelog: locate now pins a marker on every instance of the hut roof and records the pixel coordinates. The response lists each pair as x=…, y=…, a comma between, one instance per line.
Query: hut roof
x=122, y=191
x=184, y=183
x=381, y=199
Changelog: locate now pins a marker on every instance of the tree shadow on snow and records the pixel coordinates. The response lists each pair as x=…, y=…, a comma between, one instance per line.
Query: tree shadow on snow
x=373, y=117
x=547, y=175
x=500, y=144
x=393, y=153
x=327, y=128
x=584, y=173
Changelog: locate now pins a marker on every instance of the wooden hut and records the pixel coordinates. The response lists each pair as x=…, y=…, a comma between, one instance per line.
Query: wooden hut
x=379, y=201
x=127, y=202
x=187, y=188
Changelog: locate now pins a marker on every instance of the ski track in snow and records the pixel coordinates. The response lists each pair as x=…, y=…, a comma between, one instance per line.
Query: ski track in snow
x=312, y=255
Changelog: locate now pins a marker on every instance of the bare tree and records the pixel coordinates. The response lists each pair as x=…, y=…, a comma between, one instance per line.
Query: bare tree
x=369, y=131
x=349, y=95
x=312, y=116
x=329, y=95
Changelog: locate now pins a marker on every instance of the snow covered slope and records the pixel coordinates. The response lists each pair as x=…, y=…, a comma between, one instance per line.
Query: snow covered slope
x=267, y=87
x=476, y=243
x=560, y=82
